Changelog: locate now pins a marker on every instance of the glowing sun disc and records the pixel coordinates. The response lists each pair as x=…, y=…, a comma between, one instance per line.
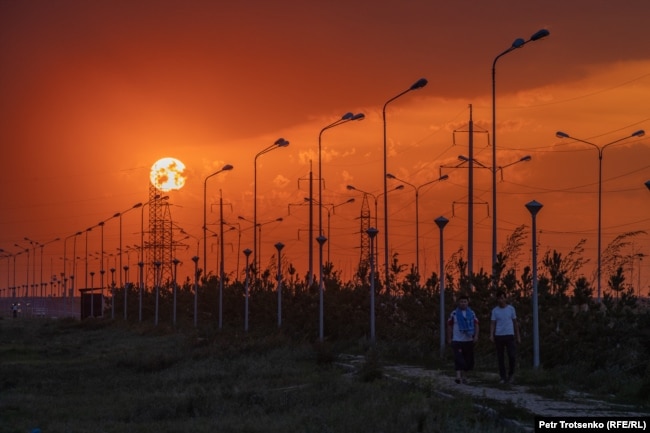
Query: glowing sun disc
x=167, y=174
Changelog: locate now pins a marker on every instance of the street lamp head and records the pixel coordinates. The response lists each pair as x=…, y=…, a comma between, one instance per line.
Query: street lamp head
x=399, y=187
x=350, y=188
x=518, y=43
x=444, y=177
x=419, y=84
x=195, y=259
x=539, y=34
x=533, y=207
x=463, y=158
x=639, y=133
x=117, y=214
x=526, y=158
x=321, y=240
x=647, y=184
x=247, y=252
x=279, y=219
x=390, y=176
x=279, y=246
x=347, y=116
x=137, y=205
x=350, y=200
x=358, y=116
x=561, y=134
x=281, y=142
x=441, y=222
x=227, y=167
x=372, y=232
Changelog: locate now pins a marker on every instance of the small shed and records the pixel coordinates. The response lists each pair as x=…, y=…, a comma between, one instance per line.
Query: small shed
x=92, y=303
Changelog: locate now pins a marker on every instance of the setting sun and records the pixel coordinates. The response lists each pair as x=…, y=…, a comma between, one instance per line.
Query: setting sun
x=167, y=174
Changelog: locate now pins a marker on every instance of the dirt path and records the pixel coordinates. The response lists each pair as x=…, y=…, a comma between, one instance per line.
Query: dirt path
x=485, y=389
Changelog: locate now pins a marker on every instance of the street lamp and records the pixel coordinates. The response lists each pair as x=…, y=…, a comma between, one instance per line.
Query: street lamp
x=647, y=184
x=534, y=207
x=417, y=85
x=195, y=259
x=247, y=253
x=518, y=43
x=417, y=212
x=600, y=149
x=347, y=117
x=321, y=288
x=280, y=142
x=441, y=222
x=226, y=167
x=279, y=247
x=372, y=234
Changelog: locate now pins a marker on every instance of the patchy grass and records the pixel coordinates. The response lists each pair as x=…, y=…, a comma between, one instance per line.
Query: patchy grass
x=101, y=376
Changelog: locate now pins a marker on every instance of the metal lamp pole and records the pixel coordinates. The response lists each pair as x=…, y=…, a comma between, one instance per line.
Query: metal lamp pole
x=441, y=222
x=600, y=149
x=279, y=247
x=518, y=43
x=280, y=142
x=534, y=207
x=372, y=233
x=226, y=167
x=417, y=85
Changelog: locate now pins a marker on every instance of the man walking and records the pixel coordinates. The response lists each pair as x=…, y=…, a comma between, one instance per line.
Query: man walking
x=504, y=331
x=462, y=332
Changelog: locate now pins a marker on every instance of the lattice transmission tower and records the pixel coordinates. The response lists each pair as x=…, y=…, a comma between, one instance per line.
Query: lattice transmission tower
x=160, y=245
x=364, y=261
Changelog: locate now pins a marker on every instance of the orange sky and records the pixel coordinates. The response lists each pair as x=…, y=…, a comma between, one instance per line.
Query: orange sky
x=93, y=93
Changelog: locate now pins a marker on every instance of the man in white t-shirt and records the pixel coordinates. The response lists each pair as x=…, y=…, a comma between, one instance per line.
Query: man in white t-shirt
x=504, y=331
x=462, y=332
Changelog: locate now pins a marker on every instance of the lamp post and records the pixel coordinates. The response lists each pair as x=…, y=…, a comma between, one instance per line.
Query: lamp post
x=321, y=288
x=247, y=253
x=279, y=246
x=534, y=207
x=372, y=234
x=518, y=43
x=126, y=289
x=600, y=149
x=156, y=282
x=347, y=117
x=195, y=259
x=280, y=142
x=417, y=85
x=175, y=262
x=226, y=167
x=441, y=222
x=112, y=293
x=417, y=212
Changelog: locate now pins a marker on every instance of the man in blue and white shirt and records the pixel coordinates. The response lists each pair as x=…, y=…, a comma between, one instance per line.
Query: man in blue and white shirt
x=462, y=332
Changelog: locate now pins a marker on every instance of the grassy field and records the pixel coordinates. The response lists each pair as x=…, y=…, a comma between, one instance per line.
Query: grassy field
x=101, y=376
